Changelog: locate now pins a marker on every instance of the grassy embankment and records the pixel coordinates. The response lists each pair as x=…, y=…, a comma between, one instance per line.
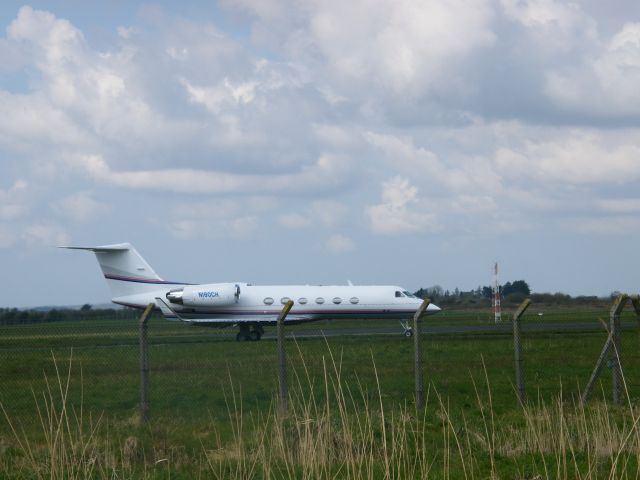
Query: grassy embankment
x=213, y=410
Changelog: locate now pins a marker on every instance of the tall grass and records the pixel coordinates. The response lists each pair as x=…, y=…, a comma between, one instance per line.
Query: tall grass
x=334, y=428
x=69, y=448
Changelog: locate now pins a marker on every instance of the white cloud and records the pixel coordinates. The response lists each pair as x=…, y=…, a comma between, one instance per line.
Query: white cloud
x=397, y=214
x=91, y=97
x=13, y=201
x=605, y=84
x=81, y=206
x=329, y=212
x=402, y=46
x=223, y=95
x=470, y=173
x=294, y=220
x=474, y=204
x=606, y=226
x=222, y=218
x=45, y=234
x=7, y=236
x=335, y=135
x=582, y=158
x=237, y=227
x=339, y=244
x=555, y=25
x=328, y=172
x=28, y=119
x=619, y=205
x=405, y=45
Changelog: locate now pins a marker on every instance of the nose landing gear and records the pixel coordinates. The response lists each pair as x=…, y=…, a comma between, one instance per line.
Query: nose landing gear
x=407, y=329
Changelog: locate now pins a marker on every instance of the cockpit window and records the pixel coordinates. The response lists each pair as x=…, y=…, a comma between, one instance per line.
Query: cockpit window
x=410, y=295
x=399, y=294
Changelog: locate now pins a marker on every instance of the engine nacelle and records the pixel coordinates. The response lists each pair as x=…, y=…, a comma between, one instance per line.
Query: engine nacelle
x=210, y=295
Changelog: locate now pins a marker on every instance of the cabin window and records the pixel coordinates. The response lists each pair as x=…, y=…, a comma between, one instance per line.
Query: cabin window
x=399, y=294
x=284, y=300
x=337, y=300
x=268, y=301
x=320, y=300
x=354, y=300
x=302, y=301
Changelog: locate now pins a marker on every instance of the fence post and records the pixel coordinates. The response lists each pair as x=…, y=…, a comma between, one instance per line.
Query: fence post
x=517, y=347
x=614, y=351
x=635, y=301
x=282, y=359
x=596, y=371
x=144, y=364
x=417, y=352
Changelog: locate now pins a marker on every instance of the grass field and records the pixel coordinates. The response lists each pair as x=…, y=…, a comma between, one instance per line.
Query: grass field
x=213, y=410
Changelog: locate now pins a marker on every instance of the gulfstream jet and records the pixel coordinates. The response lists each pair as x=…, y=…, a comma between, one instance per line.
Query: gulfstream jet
x=134, y=283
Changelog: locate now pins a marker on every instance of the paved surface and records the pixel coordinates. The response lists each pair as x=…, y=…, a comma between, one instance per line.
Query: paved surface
x=375, y=329
x=500, y=329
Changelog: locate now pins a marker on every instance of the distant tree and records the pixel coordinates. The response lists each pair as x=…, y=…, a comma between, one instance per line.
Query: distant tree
x=515, y=298
x=430, y=292
x=54, y=315
x=435, y=292
x=518, y=286
x=85, y=307
x=487, y=292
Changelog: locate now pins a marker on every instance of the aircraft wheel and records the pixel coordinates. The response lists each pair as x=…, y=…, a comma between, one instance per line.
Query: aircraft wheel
x=243, y=337
x=254, y=336
x=408, y=333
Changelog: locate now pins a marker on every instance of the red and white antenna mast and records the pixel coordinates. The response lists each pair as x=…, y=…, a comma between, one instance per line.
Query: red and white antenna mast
x=497, y=310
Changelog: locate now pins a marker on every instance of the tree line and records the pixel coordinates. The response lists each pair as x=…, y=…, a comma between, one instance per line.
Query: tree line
x=511, y=293
x=15, y=316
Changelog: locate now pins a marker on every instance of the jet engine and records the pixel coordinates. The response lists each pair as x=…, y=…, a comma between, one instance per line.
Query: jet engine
x=210, y=295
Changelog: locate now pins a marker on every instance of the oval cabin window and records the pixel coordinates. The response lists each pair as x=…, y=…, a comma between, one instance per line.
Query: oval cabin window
x=268, y=301
x=284, y=300
x=320, y=300
x=354, y=300
x=302, y=301
x=337, y=300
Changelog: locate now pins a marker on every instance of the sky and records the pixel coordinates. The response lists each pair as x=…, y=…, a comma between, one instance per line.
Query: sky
x=396, y=142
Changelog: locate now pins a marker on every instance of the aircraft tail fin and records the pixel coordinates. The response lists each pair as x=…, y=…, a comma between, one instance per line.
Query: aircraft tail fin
x=126, y=272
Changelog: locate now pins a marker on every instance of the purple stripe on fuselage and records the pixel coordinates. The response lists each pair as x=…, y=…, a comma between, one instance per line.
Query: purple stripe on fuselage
x=294, y=311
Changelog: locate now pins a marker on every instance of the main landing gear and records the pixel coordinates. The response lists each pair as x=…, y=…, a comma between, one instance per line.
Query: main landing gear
x=249, y=332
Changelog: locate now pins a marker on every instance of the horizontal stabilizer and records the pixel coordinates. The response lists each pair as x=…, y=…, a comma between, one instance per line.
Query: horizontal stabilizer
x=121, y=247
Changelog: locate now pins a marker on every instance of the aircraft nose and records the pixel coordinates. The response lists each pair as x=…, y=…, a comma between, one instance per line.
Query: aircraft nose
x=433, y=308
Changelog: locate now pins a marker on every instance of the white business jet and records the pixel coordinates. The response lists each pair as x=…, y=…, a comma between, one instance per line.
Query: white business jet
x=133, y=283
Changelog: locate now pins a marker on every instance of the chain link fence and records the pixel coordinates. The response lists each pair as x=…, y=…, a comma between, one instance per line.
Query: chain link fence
x=200, y=374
